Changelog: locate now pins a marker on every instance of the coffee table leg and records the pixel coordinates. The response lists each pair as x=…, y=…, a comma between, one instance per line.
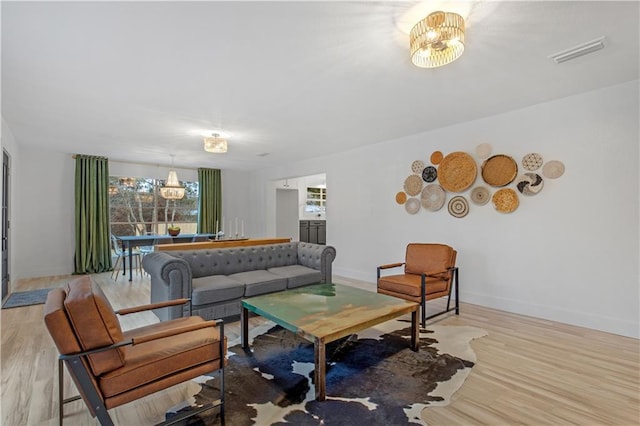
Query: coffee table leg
x=244, y=328
x=320, y=371
x=415, y=331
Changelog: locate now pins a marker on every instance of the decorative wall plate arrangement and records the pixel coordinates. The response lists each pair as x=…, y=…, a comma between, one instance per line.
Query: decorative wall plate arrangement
x=436, y=157
x=530, y=184
x=480, y=195
x=483, y=151
x=458, y=206
x=412, y=205
x=532, y=161
x=499, y=170
x=553, y=169
x=505, y=200
x=456, y=172
x=417, y=166
x=433, y=197
x=429, y=174
x=413, y=185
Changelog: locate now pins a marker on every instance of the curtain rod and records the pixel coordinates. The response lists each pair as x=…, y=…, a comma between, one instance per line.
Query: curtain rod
x=137, y=163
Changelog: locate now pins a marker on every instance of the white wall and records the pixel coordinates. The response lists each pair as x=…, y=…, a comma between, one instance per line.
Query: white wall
x=568, y=254
x=43, y=214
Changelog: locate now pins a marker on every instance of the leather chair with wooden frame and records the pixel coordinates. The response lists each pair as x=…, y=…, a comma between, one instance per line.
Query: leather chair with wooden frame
x=111, y=367
x=430, y=272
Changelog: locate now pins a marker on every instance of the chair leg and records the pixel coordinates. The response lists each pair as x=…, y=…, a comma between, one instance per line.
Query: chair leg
x=115, y=267
x=423, y=293
x=457, y=293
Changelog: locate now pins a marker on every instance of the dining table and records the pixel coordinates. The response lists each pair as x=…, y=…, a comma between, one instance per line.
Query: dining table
x=129, y=242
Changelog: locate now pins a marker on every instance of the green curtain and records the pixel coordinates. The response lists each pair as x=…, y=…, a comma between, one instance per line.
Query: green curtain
x=210, y=200
x=93, y=246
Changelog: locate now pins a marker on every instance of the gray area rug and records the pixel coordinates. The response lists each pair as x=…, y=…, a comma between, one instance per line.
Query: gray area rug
x=373, y=378
x=26, y=298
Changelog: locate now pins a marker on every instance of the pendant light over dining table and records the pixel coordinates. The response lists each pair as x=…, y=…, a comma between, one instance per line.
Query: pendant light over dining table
x=172, y=190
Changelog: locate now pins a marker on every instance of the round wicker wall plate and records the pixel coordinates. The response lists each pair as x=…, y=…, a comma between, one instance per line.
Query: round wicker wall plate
x=432, y=197
x=429, y=174
x=413, y=185
x=532, y=161
x=480, y=195
x=458, y=206
x=436, y=157
x=412, y=205
x=553, y=169
x=505, y=200
x=401, y=197
x=483, y=151
x=457, y=172
x=530, y=184
x=417, y=166
x=499, y=170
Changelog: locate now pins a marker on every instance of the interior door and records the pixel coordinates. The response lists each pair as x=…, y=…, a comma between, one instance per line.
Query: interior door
x=5, y=224
x=287, y=214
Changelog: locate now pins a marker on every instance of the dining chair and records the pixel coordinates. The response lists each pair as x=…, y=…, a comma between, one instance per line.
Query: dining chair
x=122, y=256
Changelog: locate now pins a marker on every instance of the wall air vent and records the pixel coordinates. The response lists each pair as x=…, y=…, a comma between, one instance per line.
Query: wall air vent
x=577, y=51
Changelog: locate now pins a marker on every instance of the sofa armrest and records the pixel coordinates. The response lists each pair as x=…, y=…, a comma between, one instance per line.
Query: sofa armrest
x=171, y=279
x=318, y=257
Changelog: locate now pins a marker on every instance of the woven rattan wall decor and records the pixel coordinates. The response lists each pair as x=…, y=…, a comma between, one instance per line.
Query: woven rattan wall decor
x=460, y=177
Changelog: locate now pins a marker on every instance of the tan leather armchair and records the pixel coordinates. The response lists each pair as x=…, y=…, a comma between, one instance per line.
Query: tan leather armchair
x=430, y=272
x=111, y=367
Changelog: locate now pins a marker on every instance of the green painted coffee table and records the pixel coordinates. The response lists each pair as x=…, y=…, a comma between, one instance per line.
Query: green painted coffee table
x=322, y=313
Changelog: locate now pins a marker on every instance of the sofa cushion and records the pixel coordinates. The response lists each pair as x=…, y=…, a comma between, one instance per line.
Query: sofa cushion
x=260, y=282
x=95, y=323
x=298, y=275
x=215, y=288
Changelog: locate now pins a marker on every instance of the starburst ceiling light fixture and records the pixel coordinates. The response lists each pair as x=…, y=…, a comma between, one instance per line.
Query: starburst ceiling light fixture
x=172, y=190
x=437, y=40
x=215, y=144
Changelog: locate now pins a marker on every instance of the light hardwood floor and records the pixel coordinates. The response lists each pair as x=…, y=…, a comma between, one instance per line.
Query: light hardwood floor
x=528, y=372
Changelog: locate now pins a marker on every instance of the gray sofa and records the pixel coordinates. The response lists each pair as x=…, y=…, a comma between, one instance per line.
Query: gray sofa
x=216, y=280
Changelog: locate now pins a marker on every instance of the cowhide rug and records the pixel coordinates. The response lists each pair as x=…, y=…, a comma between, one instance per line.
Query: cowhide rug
x=372, y=378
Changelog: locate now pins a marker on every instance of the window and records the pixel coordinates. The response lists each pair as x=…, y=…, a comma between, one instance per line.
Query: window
x=136, y=207
x=316, y=200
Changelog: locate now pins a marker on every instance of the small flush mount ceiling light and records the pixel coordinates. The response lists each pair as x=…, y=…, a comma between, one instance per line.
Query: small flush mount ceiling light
x=215, y=144
x=172, y=190
x=437, y=40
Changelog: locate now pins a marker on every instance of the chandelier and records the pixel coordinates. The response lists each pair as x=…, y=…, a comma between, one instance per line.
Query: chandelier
x=437, y=40
x=172, y=190
x=215, y=144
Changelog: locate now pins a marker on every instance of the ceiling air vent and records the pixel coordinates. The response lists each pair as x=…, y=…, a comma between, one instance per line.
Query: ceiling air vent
x=577, y=51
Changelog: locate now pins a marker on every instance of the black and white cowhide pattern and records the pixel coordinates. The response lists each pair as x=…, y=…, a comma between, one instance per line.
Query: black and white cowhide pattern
x=373, y=378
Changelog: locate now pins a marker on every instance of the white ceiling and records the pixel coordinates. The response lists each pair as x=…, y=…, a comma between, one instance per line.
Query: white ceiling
x=139, y=81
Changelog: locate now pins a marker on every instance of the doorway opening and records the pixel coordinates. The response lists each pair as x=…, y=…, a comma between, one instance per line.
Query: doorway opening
x=301, y=208
x=5, y=224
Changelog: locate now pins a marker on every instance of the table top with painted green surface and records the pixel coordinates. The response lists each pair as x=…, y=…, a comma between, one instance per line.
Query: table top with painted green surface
x=327, y=312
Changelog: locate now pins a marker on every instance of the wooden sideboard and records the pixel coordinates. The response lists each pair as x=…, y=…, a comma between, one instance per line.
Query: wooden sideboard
x=213, y=244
